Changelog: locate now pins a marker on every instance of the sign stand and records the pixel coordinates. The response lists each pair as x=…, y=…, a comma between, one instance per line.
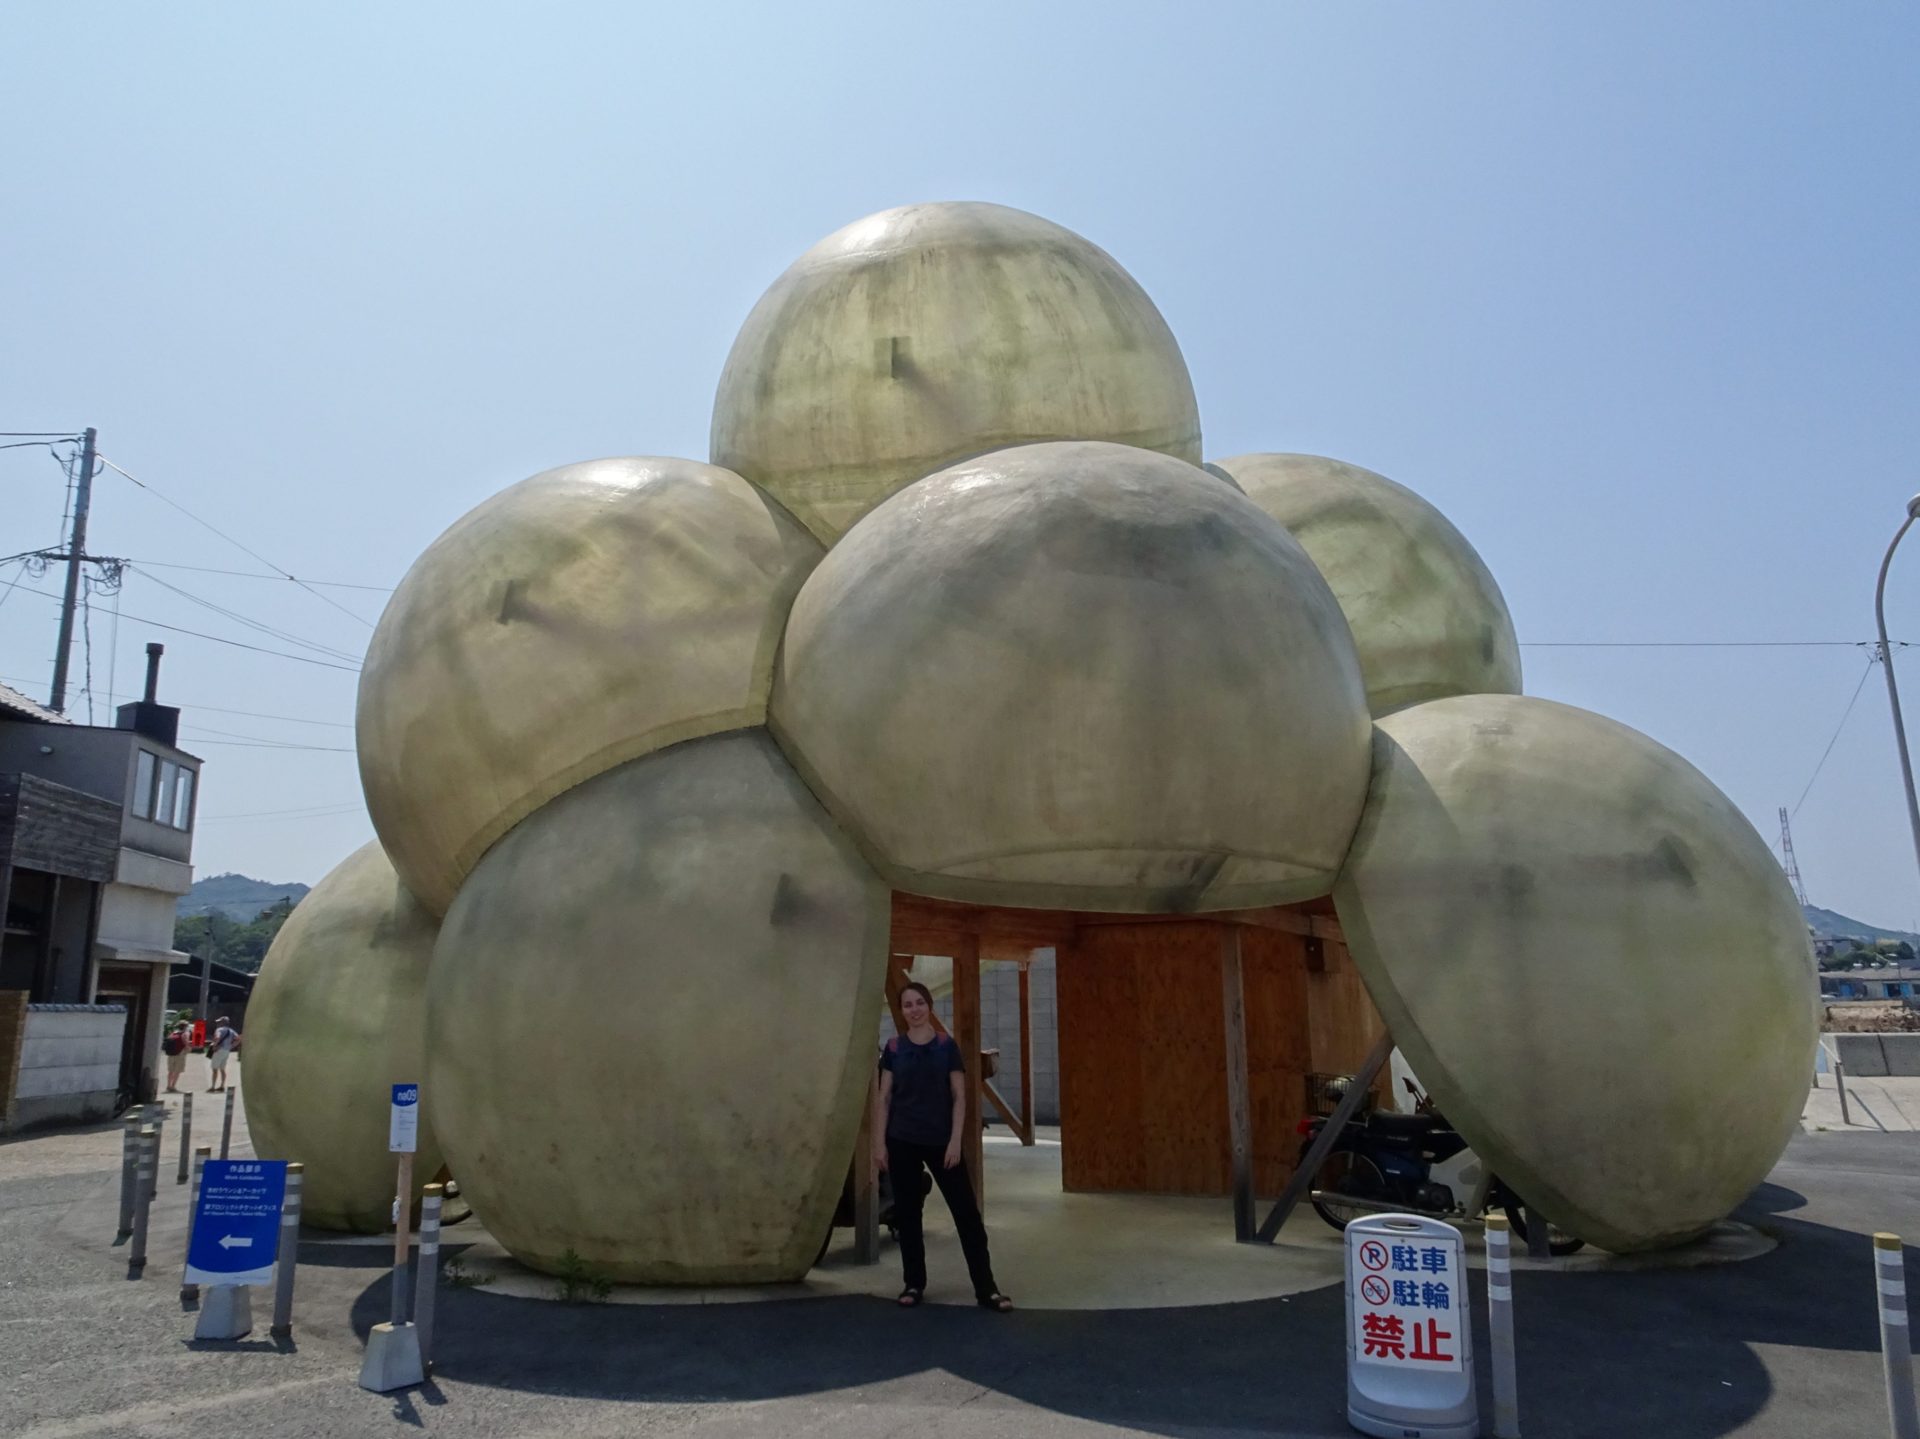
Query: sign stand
x=234, y=1240
x=393, y=1349
x=1409, y=1330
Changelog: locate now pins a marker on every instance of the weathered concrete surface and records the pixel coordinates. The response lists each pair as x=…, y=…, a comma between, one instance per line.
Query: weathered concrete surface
x=338, y=1016
x=1427, y=617
x=925, y=334
x=1081, y=674
x=1590, y=957
x=651, y=1020
x=574, y=621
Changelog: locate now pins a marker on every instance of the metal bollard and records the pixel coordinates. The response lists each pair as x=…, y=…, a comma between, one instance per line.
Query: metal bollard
x=1506, y=1396
x=427, y=1275
x=190, y=1293
x=1896, y=1348
x=288, y=1262
x=226, y=1125
x=1840, y=1087
x=129, y=1162
x=157, y=1121
x=148, y=1155
x=186, y=1137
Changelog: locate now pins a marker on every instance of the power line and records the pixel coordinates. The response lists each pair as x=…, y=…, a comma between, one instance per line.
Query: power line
x=256, y=575
x=41, y=434
x=274, y=744
x=214, y=709
x=313, y=812
x=219, y=639
x=284, y=574
x=266, y=629
x=1836, y=735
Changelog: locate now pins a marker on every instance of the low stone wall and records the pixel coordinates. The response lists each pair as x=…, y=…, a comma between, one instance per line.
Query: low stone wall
x=69, y=1070
x=1876, y=1055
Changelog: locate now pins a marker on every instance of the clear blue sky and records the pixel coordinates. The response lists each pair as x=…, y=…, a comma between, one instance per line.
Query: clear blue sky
x=1627, y=289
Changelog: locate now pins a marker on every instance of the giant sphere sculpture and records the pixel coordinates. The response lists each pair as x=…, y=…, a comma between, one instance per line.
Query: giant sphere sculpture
x=919, y=336
x=1589, y=956
x=575, y=620
x=658, y=754
x=1079, y=674
x=337, y=1015
x=1427, y=617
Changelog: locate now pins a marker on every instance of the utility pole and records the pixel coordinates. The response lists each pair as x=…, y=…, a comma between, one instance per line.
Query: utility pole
x=76, y=555
x=1791, y=865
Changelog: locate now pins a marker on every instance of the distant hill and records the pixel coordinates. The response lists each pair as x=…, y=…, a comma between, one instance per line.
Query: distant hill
x=235, y=896
x=1827, y=922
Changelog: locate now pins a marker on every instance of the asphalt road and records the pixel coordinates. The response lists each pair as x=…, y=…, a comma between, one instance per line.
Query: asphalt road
x=1782, y=1345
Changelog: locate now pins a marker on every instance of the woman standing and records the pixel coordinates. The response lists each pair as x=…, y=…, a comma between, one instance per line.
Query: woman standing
x=923, y=1106
x=174, y=1046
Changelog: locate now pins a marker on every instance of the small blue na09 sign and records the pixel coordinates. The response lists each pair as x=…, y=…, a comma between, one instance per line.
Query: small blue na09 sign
x=403, y=1125
x=236, y=1221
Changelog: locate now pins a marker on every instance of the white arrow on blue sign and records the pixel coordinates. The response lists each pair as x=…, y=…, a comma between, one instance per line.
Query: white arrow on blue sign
x=236, y=1225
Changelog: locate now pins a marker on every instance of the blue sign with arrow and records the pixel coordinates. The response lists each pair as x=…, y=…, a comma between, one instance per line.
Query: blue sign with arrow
x=236, y=1224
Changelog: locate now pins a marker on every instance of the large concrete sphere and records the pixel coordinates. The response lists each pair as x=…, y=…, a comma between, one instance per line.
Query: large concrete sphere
x=337, y=1017
x=652, y=1017
x=1588, y=955
x=578, y=619
x=1427, y=617
x=922, y=335
x=1079, y=674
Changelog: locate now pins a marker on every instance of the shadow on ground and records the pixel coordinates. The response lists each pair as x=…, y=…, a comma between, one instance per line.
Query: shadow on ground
x=1599, y=1353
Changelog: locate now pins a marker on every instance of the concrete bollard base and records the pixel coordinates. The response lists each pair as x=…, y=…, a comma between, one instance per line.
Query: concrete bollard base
x=393, y=1359
x=226, y=1312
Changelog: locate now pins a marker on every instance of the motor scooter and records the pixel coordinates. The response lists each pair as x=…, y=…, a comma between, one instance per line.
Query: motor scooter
x=1386, y=1162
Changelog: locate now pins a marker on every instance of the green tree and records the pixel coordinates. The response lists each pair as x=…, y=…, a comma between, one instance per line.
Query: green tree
x=238, y=946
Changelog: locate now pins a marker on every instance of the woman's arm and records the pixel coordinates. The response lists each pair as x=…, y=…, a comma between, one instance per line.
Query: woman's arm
x=958, y=1082
x=880, y=1108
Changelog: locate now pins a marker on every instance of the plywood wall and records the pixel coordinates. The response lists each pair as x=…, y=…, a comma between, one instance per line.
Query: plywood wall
x=1143, y=1098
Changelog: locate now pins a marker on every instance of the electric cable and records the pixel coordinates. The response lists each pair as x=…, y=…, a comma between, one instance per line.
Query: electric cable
x=266, y=629
x=256, y=575
x=220, y=639
x=1844, y=715
x=285, y=574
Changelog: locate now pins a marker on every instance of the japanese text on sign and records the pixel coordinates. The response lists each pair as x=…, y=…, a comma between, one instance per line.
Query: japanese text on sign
x=236, y=1222
x=1408, y=1307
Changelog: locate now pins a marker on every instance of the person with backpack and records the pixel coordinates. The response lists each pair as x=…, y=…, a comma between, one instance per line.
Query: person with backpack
x=224, y=1042
x=174, y=1046
x=923, y=1110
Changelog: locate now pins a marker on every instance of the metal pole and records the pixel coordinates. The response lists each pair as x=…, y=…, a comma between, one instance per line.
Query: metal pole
x=191, y=1292
x=1840, y=1087
x=1886, y=661
x=289, y=1258
x=1506, y=1393
x=157, y=1117
x=206, y=984
x=186, y=1137
x=402, y=1218
x=428, y=1276
x=226, y=1125
x=1896, y=1348
x=129, y=1162
x=76, y=552
x=149, y=1157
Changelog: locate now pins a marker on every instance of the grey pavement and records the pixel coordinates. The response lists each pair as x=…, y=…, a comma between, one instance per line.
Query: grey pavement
x=1784, y=1344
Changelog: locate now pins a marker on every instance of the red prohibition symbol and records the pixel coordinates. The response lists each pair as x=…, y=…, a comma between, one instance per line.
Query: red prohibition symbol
x=1373, y=1254
x=1373, y=1289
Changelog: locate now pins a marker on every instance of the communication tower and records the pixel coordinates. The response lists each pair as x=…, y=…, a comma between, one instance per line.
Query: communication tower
x=1791, y=864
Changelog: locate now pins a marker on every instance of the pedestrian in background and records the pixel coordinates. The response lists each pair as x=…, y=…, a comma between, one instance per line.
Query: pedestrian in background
x=174, y=1046
x=219, y=1049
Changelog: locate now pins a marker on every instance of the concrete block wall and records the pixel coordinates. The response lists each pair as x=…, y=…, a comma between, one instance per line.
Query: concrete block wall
x=69, y=1063
x=1874, y=1055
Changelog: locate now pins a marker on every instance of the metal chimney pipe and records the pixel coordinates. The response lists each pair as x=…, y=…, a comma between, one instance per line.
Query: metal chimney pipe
x=153, y=671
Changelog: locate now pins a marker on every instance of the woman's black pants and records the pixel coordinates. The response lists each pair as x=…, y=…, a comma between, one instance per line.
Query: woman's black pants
x=904, y=1162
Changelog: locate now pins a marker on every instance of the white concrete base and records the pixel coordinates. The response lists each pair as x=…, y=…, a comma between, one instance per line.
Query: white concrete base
x=393, y=1359
x=226, y=1312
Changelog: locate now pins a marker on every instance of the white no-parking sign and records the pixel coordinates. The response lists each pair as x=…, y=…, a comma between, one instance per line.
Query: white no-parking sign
x=1409, y=1338
x=403, y=1123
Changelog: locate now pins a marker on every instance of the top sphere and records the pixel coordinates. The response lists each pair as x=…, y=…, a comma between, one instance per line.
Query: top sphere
x=924, y=335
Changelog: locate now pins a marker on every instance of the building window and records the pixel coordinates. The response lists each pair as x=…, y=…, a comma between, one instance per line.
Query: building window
x=163, y=791
x=143, y=774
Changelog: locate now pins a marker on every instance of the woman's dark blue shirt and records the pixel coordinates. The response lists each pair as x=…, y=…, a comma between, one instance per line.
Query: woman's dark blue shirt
x=921, y=1109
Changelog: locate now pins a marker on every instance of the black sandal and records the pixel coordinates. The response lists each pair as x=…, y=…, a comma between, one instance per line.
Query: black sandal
x=997, y=1302
x=909, y=1299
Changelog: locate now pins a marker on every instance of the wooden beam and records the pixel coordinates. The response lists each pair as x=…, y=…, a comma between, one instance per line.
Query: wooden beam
x=966, y=1033
x=999, y=1102
x=1026, y=1058
x=1233, y=996
x=1357, y=1091
x=1038, y=928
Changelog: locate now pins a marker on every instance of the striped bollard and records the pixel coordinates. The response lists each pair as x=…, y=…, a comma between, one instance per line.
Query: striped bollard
x=1506, y=1396
x=129, y=1162
x=288, y=1260
x=186, y=1137
x=226, y=1126
x=426, y=1277
x=1896, y=1349
x=147, y=1157
x=157, y=1121
x=190, y=1293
